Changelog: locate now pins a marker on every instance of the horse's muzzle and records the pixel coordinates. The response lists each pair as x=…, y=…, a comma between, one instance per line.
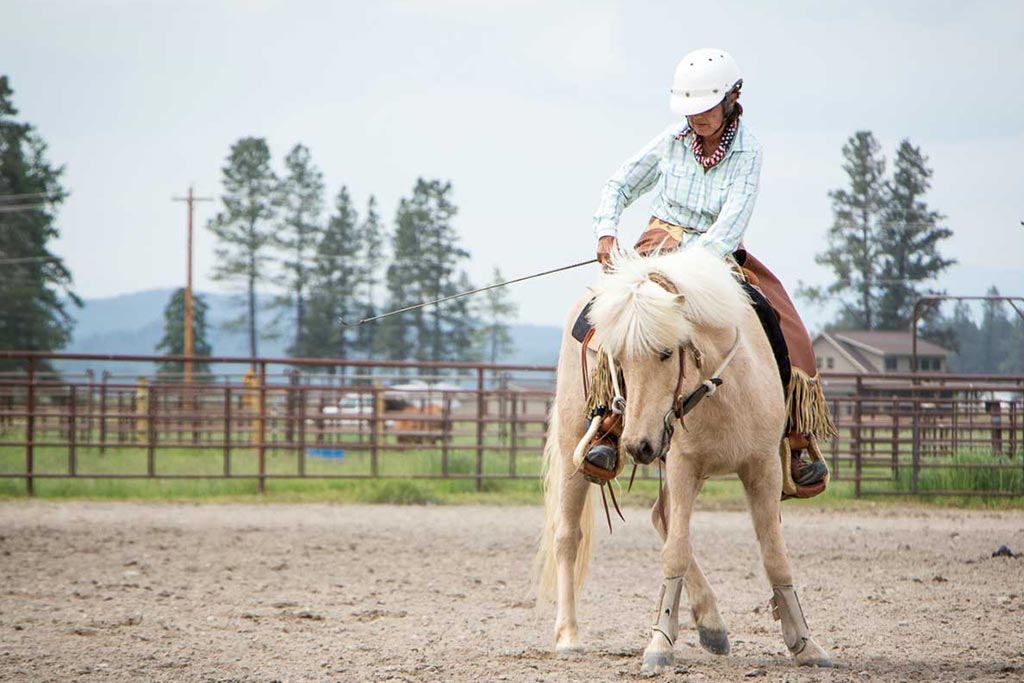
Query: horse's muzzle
x=642, y=451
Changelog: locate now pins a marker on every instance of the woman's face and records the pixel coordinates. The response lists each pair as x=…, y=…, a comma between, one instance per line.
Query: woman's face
x=708, y=122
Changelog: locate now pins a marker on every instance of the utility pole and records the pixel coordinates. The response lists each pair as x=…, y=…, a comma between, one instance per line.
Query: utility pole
x=190, y=199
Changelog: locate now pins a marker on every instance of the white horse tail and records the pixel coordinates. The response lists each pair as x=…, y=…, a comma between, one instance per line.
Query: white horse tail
x=545, y=564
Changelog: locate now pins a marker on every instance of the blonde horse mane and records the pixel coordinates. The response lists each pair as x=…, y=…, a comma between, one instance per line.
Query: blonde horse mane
x=635, y=314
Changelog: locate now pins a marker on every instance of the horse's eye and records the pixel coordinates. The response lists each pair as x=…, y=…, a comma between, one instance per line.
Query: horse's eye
x=665, y=355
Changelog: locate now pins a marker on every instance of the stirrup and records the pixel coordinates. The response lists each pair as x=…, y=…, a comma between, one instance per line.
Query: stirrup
x=600, y=464
x=791, y=488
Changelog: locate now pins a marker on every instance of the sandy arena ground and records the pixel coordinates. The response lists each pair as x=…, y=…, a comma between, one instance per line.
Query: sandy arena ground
x=217, y=593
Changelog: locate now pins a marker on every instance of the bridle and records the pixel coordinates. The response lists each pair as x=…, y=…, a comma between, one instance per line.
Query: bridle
x=682, y=405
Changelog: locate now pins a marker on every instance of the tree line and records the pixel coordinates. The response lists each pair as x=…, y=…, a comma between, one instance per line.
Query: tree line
x=884, y=252
x=325, y=266
x=319, y=265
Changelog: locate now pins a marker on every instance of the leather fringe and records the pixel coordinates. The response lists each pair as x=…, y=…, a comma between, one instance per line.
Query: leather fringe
x=601, y=390
x=807, y=407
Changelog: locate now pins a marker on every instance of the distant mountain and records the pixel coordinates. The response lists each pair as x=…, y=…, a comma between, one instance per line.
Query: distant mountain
x=132, y=324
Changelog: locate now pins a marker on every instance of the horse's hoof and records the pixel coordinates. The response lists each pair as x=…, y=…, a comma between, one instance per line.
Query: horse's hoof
x=568, y=651
x=813, y=655
x=715, y=642
x=656, y=663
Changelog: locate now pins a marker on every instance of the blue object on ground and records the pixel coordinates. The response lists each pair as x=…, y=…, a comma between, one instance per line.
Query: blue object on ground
x=333, y=453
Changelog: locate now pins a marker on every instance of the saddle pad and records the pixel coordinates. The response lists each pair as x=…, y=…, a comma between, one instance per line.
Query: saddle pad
x=773, y=330
x=765, y=313
x=582, y=325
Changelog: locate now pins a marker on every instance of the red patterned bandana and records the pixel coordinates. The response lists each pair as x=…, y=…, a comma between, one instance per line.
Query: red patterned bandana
x=697, y=145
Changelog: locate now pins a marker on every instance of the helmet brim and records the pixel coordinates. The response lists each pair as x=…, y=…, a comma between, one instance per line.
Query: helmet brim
x=691, y=106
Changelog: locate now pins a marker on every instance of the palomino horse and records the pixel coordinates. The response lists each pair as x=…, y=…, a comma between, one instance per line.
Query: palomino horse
x=667, y=321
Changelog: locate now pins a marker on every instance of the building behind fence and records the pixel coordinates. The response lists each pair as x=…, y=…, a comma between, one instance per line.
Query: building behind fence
x=318, y=419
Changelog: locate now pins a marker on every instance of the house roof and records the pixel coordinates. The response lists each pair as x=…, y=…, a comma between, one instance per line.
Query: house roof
x=857, y=359
x=889, y=343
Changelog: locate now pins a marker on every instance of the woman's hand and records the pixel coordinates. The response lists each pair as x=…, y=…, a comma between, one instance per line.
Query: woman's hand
x=605, y=246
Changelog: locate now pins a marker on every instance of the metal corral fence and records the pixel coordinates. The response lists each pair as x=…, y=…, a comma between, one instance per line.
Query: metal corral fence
x=323, y=419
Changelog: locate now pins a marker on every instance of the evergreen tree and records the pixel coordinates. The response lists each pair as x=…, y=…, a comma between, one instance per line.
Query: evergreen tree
x=243, y=227
x=426, y=266
x=460, y=325
x=967, y=344
x=854, y=248
x=335, y=277
x=908, y=240
x=35, y=285
x=173, y=341
x=400, y=334
x=995, y=333
x=1013, y=362
x=301, y=206
x=495, y=311
x=372, y=247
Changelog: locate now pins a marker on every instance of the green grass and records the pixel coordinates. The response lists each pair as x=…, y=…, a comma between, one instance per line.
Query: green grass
x=397, y=483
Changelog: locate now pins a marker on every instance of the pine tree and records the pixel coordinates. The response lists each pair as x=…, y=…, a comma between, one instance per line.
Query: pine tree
x=495, y=311
x=967, y=336
x=460, y=325
x=995, y=333
x=372, y=247
x=438, y=270
x=173, y=341
x=426, y=266
x=1013, y=362
x=909, y=238
x=35, y=285
x=398, y=335
x=243, y=227
x=301, y=200
x=854, y=248
x=335, y=277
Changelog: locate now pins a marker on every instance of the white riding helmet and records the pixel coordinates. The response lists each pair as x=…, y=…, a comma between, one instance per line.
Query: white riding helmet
x=703, y=79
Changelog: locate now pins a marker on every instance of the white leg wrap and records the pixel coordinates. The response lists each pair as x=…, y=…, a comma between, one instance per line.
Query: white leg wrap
x=666, y=621
x=785, y=606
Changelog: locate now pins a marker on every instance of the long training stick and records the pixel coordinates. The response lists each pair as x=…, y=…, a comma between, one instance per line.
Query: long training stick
x=461, y=294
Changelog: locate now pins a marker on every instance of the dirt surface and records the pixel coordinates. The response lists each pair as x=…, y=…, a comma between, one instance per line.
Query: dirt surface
x=129, y=592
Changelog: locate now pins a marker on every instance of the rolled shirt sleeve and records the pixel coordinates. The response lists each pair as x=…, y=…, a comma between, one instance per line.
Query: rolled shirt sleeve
x=724, y=235
x=632, y=179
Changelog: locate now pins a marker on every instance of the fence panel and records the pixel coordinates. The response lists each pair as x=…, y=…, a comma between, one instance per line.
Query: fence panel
x=275, y=419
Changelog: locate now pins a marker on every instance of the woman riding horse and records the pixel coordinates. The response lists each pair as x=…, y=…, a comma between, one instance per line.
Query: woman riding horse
x=705, y=172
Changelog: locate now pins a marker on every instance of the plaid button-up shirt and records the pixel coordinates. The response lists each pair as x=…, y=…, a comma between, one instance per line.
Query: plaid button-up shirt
x=714, y=206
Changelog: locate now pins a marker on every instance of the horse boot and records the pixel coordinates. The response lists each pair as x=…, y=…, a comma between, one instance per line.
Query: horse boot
x=602, y=463
x=785, y=607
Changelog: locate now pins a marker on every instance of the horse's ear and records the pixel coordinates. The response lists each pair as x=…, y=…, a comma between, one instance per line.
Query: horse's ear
x=680, y=299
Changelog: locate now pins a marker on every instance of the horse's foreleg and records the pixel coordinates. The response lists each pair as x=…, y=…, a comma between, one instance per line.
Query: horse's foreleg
x=711, y=628
x=679, y=569
x=763, y=493
x=568, y=535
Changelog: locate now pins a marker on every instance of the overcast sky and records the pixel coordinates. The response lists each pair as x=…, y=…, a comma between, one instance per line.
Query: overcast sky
x=527, y=107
